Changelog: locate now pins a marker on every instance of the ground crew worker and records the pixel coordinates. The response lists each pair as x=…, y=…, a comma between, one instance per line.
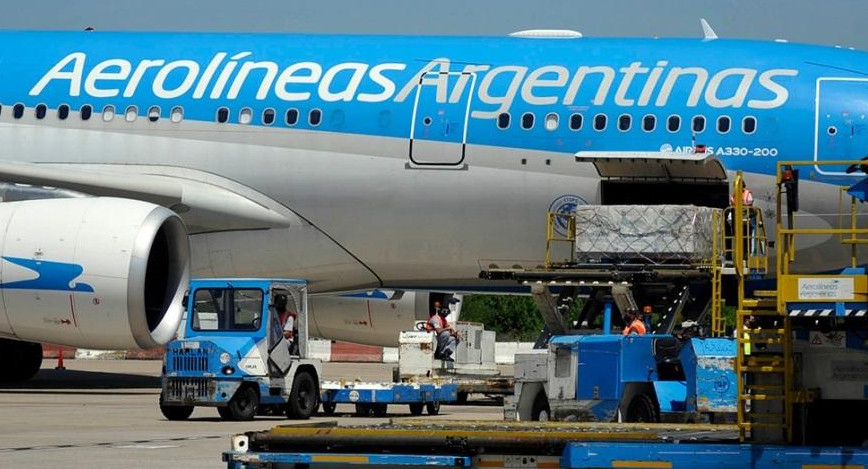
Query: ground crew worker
x=747, y=202
x=646, y=315
x=287, y=321
x=447, y=336
x=634, y=324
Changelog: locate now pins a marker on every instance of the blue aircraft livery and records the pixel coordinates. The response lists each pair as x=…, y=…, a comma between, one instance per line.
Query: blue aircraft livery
x=57, y=276
x=739, y=98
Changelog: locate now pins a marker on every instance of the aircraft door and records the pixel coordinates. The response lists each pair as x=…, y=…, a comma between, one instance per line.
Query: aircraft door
x=841, y=121
x=441, y=114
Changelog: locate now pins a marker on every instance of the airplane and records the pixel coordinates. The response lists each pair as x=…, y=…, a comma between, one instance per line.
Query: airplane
x=375, y=164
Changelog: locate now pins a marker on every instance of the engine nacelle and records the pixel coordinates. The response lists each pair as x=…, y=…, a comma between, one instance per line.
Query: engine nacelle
x=94, y=272
x=375, y=317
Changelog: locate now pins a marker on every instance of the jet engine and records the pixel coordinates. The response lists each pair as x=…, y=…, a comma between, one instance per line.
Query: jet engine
x=93, y=272
x=375, y=317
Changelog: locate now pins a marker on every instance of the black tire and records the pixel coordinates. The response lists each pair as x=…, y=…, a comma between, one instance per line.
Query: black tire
x=364, y=410
x=243, y=404
x=540, y=412
x=23, y=360
x=462, y=398
x=328, y=408
x=175, y=412
x=304, y=398
x=642, y=410
x=380, y=410
x=224, y=413
x=416, y=408
x=433, y=408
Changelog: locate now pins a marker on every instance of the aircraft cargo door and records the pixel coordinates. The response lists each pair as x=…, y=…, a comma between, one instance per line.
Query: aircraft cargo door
x=841, y=121
x=441, y=113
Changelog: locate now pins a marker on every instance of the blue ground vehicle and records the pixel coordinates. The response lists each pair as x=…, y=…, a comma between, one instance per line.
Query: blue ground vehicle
x=636, y=378
x=234, y=356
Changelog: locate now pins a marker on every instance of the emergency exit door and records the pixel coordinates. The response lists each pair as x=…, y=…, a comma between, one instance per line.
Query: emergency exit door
x=841, y=121
x=441, y=113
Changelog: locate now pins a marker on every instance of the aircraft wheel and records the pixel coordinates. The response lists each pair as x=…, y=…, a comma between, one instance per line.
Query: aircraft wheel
x=23, y=358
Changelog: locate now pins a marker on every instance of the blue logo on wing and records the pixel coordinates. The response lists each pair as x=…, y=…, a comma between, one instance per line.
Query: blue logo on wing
x=52, y=276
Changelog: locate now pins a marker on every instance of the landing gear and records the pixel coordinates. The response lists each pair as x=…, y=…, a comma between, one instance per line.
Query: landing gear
x=22, y=358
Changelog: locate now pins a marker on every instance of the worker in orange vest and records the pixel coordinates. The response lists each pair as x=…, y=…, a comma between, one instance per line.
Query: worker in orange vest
x=634, y=323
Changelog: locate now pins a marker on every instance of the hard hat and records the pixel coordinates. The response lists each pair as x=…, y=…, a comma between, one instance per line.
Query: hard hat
x=646, y=309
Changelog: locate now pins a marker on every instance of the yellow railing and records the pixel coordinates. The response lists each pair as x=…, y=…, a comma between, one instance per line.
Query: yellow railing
x=568, y=222
x=847, y=233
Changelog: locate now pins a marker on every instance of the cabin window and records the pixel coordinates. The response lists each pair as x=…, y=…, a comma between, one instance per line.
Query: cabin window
x=131, y=114
x=222, y=115
x=748, y=125
x=600, y=122
x=723, y=124
x=268, y=116
x=154, y=113
x=85, y=112
x=18, y=111
x=698, y=124
x=62, y=112
x=552, y=121
x=625, y=122
x=527, y=121
x=314, y=117
x=649, y=123
x=108, y=113
x=673, y=123
x=576, y=121
x=245, y=116
x=177, y=114
x=503, y=120
x=292, y=117
x=40, y=111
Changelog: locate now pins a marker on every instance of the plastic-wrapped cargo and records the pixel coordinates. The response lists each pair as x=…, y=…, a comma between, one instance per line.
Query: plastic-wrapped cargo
x=653, y=233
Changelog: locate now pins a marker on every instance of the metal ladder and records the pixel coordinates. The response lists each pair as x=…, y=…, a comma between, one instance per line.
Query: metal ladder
x=764, y=364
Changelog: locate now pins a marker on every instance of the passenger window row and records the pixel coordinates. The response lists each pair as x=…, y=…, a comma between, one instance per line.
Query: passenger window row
x=314, y=118
x=625, y=122
x=85, y=112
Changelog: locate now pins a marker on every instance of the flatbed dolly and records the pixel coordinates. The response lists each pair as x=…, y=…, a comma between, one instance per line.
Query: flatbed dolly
x=373, y=399
x=409, y=443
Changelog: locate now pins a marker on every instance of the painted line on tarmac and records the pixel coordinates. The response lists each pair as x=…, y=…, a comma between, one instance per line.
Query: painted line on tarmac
x=157, y=443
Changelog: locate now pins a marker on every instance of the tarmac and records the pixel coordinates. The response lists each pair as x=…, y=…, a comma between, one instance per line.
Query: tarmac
x=104, y=414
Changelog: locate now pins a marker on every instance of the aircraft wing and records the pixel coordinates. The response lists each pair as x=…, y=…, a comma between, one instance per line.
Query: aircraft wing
x=204, y=205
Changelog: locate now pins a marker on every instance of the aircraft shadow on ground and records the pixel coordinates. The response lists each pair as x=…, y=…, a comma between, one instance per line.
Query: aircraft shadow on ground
x=82, y=382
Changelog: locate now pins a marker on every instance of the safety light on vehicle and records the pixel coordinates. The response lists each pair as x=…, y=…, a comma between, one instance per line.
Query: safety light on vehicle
x=228, y=370
x=225, y=357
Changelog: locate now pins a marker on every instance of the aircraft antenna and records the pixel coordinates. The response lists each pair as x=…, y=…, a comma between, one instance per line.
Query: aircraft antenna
x=706, y=29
